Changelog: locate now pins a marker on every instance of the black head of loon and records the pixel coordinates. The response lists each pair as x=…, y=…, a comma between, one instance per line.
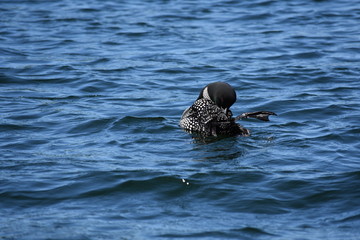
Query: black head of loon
x=221, y=93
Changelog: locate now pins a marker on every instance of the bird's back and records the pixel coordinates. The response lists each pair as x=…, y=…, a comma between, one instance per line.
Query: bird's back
x=206, y=118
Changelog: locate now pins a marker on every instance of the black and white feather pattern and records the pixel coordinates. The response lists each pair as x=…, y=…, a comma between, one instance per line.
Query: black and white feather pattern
x=208, y=119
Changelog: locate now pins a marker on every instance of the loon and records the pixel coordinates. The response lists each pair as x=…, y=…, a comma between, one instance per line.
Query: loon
x=210, y=114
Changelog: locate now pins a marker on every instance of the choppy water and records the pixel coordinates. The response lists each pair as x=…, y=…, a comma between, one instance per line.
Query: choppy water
x=92, y=92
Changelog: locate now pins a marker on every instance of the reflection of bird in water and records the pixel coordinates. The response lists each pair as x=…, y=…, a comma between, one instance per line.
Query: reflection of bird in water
x=210, y=114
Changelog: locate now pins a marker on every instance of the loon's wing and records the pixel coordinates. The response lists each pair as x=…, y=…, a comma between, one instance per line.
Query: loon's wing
x=261, y=115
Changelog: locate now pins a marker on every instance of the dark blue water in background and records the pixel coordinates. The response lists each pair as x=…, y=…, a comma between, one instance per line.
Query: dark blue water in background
x=91, y=93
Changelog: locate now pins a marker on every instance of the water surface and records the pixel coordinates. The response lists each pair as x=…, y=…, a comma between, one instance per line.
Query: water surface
x=90, y=98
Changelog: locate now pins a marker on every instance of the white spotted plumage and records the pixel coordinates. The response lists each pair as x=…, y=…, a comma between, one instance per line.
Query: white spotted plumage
x=208, y=119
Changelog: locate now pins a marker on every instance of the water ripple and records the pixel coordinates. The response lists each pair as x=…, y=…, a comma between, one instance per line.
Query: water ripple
x=90, y=98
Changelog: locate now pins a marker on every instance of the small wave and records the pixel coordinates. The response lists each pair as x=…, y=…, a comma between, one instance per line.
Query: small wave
x=98, y=86
x=302, y=55
x=111, y=43
x=113, y=70
x=100, y=60
x=4, y=78
x=177, y=17
x=9, y=127
x=174, y=70
x=131, y=119
x=88, y=9
x=73, y=19
x=141, y=125
x=352, y=218
x=11, y=52
x=251, y=17
x=133, y=34
x=221, y=233
x=318, y=113
x=95, y=184
x=92, y=126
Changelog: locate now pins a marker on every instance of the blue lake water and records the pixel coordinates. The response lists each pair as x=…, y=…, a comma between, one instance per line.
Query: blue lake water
x=91, y=93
